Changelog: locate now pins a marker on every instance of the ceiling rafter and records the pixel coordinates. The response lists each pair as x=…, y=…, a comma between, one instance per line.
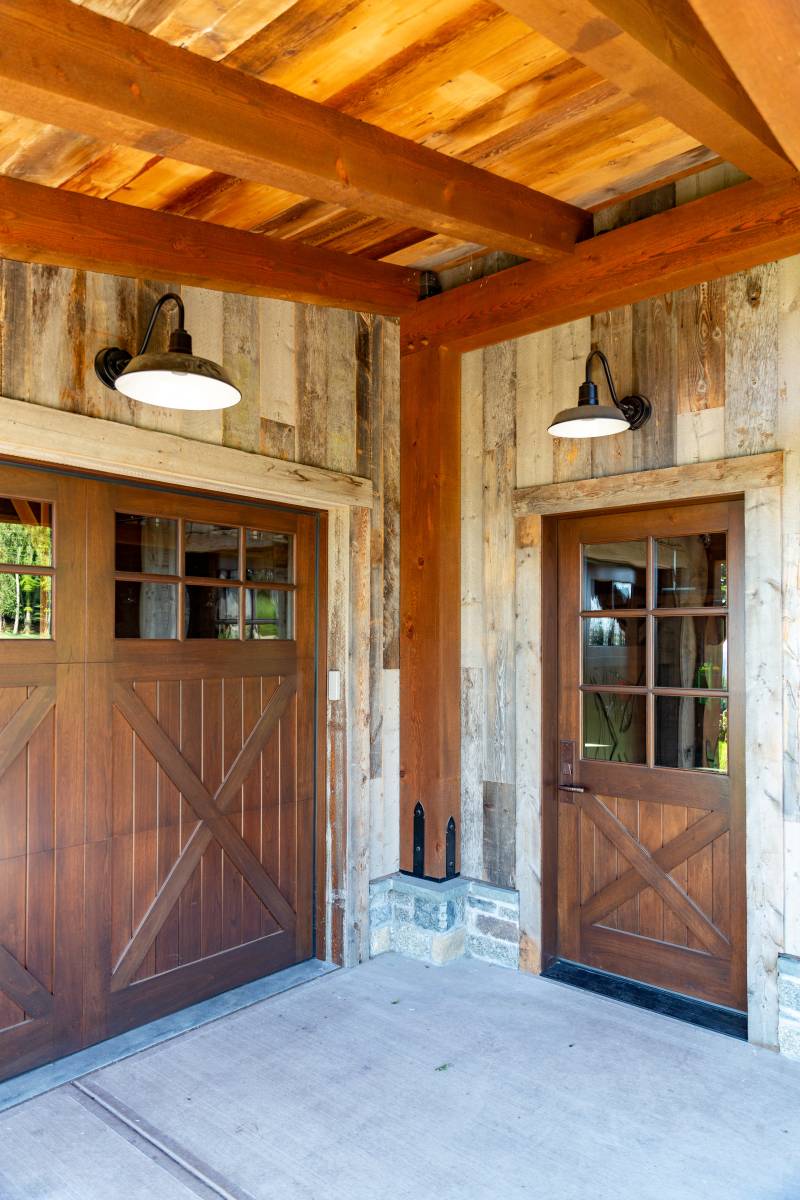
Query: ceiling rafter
x=48, y=225
x=661, y=55
x=719, y=235
x=66, y=65
x=760, y=44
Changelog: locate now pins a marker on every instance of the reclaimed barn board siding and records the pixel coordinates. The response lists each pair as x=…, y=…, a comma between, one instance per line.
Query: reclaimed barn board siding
x=721, y=364
x=319, y=387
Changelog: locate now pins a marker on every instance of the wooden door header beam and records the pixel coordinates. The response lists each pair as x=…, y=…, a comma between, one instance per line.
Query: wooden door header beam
x=709, y=238
x=68, y=66
x=46, y=225
x=661, y=55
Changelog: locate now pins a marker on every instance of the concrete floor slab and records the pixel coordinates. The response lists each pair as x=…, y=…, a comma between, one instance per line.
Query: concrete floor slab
x=400, y=1080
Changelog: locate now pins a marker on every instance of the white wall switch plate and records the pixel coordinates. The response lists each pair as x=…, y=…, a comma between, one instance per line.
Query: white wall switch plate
x=334, y=685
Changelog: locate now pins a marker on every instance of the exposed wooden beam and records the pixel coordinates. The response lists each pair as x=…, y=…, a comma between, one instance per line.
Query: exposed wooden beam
x=719, y=235
x=68, y=66
x=430, y=600
x=661, y=55
x=761, y=44
x=46, y=225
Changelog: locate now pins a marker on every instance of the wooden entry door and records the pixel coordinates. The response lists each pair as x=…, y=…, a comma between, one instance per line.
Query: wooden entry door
x=651, y=874
x=201, y=707
x=158, y=754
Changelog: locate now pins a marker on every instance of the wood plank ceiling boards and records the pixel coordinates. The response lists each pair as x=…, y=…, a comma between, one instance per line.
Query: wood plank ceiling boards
x=503, y=134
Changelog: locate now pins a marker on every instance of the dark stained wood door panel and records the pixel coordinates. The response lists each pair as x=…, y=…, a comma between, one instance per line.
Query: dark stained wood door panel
x=650, y=781
x=183, y=865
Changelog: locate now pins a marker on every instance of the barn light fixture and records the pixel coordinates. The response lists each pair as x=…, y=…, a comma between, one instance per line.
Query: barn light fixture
x=174, y=379
x=590, y=418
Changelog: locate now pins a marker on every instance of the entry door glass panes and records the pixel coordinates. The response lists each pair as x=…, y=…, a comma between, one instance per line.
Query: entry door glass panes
x=614, y=650
x=26, y=569
x=615, y=576
x=615, y=727
x=654, y=681
x=692, y=572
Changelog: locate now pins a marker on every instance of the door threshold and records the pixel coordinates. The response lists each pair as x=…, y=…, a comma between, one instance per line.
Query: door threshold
x=94, y=1058
x=643, y=995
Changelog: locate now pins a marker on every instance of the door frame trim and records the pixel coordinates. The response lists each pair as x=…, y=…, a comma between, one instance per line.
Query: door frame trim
x=33, y=433
x=537, y=734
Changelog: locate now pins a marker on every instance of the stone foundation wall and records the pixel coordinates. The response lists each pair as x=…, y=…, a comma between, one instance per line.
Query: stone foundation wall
x=437, y=922
x=789, y=1006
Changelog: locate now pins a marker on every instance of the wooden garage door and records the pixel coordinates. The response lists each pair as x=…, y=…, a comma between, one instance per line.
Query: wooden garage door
x=651, y=879
x=175, y=637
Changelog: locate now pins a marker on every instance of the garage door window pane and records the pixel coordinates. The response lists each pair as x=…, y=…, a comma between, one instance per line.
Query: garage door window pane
x=146, y=545
x=26, y=533
x=212, y=612
x=269, y=614
x=26, y=606
x=146, y=610
x=269, y=556
x=212, y=551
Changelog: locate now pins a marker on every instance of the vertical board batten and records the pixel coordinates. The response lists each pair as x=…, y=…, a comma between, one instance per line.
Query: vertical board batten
x=764, y=759
x=751, y=361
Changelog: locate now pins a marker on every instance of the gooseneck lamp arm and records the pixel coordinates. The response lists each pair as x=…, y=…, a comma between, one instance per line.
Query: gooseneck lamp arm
x=179, y=336
x=588, y=388
x=636, y=409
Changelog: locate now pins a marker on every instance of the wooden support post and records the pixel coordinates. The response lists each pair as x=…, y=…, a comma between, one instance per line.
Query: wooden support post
x=430, y=599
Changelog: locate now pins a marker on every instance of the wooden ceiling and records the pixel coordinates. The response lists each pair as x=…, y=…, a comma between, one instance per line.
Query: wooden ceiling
x=466, y=79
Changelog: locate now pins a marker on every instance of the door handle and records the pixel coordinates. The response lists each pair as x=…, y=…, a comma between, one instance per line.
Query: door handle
x=571, y=787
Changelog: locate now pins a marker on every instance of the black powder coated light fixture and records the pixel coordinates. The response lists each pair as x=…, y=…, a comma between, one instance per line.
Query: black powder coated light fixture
x=174, y=379
x=590, y=418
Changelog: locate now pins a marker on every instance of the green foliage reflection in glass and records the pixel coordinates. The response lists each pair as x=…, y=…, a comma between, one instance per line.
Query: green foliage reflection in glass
x=25, y=598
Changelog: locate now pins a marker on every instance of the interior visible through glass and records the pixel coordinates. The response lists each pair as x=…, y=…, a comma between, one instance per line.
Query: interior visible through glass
x=212, y=612
x=692, y=572
x=145, y=610
x=615, y=575
x=146, y=545
x=692, y=732
x=211, y=551
x=268, y=613
x=691, y=652
x=614, y=650
x=615, y=727
x=269, y=556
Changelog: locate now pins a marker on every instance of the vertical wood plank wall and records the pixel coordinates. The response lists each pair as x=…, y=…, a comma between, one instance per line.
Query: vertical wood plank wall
x=319, y=386
x=721, y=363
